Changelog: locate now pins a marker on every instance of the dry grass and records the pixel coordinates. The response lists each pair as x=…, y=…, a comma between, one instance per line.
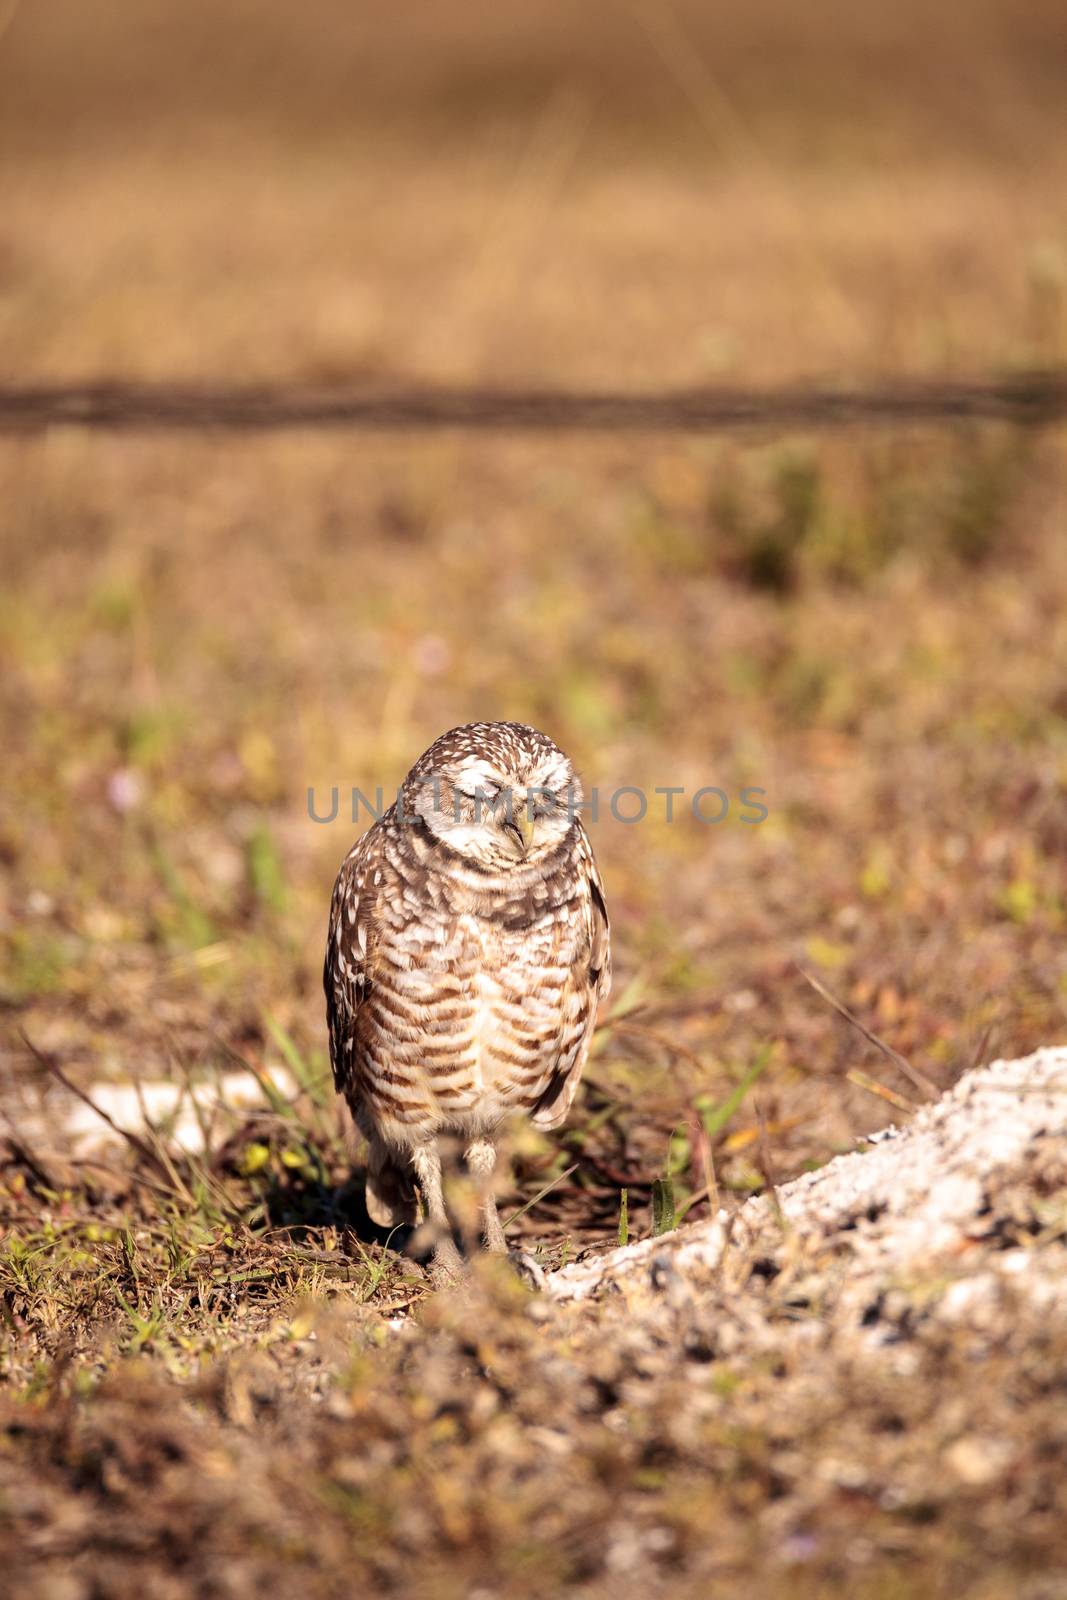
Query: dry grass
x=195, y=631
x=595, y=194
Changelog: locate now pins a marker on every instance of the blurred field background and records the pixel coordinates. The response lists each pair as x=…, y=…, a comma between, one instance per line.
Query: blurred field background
x=196, y=629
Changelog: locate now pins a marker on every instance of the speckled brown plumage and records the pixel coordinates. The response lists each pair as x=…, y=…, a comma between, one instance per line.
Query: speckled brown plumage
x=468, y=946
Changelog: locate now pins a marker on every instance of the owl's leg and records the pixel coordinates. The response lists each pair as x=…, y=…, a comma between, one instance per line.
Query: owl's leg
x=481, y=1160
x=426, y=1160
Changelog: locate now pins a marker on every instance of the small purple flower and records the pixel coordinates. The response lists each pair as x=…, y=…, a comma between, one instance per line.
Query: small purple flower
x=125, y=790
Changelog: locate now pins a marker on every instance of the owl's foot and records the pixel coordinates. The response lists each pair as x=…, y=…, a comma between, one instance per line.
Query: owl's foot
x=446, y=1266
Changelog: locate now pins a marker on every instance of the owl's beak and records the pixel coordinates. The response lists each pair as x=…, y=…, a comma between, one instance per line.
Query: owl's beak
x=526, y=827
x=521, y=828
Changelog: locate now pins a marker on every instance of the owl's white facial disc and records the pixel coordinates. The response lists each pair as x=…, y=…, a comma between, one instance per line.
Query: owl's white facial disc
x=505, y=807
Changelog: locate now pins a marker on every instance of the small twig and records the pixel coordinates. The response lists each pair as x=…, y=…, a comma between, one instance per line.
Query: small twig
x=29, y=1158
x=125, y=1178
x=914, y=1076
x=144, y=1150
x=707, y=1159
x=540, y=1195
x=274, y=1096
x=158, y=1147
x=623, y=1025
x=670, y=1012
x=872, y=1086
x=616, y=1176
x=203, y=1122
x=983, y=1051
x=727, y=1241
x=767, y=1167
x=692, y=1200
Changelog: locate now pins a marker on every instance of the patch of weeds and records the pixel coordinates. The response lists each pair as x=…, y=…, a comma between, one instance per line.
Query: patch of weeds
x=266, y=878
x=984, y=481
x=184, y=1255
x=183, y=921
x=147, y=736
x=786, y=517
x=312, y=1074
x=35, y=961
x=114, y=605
x=765, y=532
x=714, y=1115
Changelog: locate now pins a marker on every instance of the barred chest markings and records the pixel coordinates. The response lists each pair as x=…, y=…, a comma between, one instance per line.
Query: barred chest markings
x=486, y=1000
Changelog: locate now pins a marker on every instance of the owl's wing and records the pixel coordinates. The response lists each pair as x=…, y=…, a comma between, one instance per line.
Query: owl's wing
x=600, y=935
x=346, y=978
x=350, y=952
x=590, y=982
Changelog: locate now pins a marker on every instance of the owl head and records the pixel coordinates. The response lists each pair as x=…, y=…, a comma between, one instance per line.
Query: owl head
x=500, y=794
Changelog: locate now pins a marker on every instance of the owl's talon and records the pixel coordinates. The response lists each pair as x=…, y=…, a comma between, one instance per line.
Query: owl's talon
x=446, y=1265
x=445, y=1274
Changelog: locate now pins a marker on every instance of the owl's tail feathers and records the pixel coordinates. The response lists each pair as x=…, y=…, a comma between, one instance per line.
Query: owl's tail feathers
x=556, y=1098
x=390, y=1188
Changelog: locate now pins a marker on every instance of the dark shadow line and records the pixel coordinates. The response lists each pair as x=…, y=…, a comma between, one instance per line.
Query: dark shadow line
x=1028, y=400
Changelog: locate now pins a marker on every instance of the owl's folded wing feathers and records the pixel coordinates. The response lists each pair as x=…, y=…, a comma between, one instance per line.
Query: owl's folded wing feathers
x=347, y=980
x=349, y=954
x=591, y=983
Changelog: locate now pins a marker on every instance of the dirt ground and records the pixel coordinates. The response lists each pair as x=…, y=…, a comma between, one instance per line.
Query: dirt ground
x=216, y=1374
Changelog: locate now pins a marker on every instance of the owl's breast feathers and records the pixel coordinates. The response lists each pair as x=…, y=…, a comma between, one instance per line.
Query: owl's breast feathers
x=454, y=997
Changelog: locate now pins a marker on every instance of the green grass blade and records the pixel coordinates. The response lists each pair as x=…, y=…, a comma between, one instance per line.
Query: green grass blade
x=715, y=1117
x=664, y=1217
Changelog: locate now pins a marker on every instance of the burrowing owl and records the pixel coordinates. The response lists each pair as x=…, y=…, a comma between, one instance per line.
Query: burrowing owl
x=467, y=949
